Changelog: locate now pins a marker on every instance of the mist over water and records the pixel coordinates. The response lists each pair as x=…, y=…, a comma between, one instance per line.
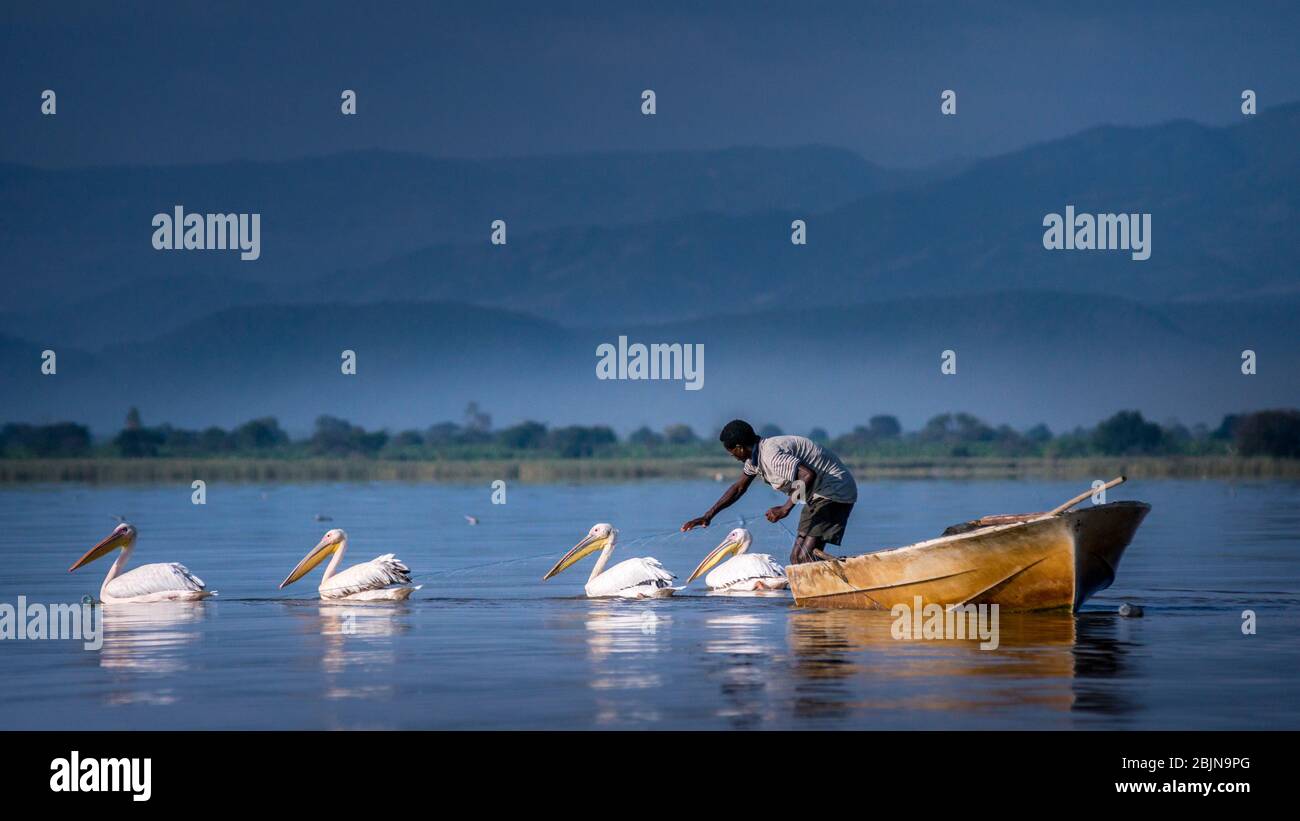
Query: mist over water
x=487, y=644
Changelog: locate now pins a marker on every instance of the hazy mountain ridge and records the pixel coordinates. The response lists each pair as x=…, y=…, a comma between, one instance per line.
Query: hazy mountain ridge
x=1082, y=356
x=66, y=233
x=886, y=282
x=1225, y=205
x=656, y=237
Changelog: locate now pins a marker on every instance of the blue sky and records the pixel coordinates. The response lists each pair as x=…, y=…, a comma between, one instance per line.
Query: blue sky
x=197, y=82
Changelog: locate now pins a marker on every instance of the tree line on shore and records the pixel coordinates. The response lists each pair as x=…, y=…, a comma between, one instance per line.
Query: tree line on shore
x=1272, y=433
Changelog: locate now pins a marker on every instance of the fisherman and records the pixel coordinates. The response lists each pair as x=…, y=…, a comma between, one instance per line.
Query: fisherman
x=800, y=468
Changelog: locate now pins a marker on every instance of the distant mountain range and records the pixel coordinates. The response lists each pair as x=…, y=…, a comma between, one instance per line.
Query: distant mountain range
x=1023, y=357
x=1225, y=205
x=71, y=233
x=388, y=255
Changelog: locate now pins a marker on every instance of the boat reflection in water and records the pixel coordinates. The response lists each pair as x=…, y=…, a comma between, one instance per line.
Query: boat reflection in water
x=847, y=663
x=1102, y=663
x=145, y=645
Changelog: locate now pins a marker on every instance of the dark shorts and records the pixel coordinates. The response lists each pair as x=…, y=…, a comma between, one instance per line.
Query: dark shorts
x=825, y=520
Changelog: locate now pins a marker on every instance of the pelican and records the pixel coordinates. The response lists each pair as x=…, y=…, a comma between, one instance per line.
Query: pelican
x=147, y=583
x=743, y=571
x=383, y=578
x=631, y=579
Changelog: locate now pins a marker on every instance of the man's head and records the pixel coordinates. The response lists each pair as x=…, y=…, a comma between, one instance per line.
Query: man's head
x=738, y=438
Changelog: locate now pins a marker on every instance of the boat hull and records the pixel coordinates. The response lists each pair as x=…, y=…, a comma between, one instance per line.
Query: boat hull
x=1045, y=563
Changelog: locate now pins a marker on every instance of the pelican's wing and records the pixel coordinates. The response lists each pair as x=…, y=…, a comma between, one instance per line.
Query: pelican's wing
x=744, y=567
x=384, y=571
x=164, y=577
x=631, y=573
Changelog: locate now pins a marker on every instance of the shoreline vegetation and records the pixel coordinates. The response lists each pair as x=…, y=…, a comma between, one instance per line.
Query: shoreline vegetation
x=1261, y=444
x=546, y=470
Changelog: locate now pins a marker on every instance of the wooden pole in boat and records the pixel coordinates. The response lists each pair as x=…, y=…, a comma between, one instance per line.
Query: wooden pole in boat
x=1119, y=480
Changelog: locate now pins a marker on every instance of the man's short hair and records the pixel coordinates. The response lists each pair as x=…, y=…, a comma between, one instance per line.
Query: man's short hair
x=737, y=432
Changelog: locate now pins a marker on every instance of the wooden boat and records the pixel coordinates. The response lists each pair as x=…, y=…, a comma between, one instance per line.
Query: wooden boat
x=1036, y=561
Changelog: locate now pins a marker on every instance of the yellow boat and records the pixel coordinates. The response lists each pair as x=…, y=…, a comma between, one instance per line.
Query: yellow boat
x=1035, y=561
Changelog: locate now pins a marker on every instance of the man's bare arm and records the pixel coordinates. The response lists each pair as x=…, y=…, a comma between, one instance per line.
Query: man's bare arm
x=806, y=478
x=728, y=498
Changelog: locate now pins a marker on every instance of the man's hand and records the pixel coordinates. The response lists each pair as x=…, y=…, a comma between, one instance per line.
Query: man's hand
x=729, y=496
x=776, y=514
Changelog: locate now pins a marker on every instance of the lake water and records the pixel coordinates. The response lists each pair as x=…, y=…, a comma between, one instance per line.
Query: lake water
x=487, y=644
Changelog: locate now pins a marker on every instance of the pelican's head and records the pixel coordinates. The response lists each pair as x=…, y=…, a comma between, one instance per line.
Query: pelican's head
x=123, y=536
x=326, y=546
x=737, y=542
x=598, y=538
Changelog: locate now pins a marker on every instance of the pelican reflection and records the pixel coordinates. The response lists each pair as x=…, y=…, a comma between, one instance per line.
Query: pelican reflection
x=357, y=653
x=145, y=646
x=741, y=650
x=624, y=647
x=149, y=638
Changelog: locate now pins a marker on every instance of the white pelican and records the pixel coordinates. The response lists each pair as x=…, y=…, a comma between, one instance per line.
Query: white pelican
x=383, y=578
x=147, y=583
x=743, y=571
x=631, y=579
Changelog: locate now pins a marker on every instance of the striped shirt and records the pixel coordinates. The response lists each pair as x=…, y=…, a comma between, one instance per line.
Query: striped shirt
x=776, y=459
